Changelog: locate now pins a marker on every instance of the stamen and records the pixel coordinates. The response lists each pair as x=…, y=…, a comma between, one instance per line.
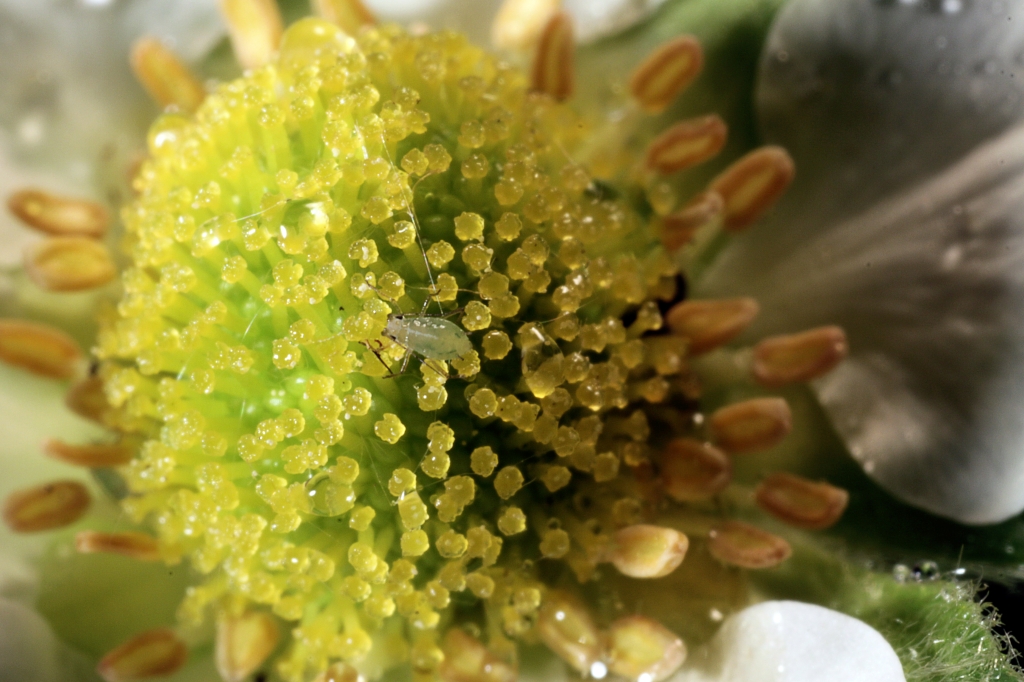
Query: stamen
x=710, y=324
x=102, y=455
x=645, y=551
x=151, y=654
x=679, y=228
x=57, y=215
x=640, y=648
x=45, y=507
x=350, y=15
x=666, y=72
x=752, y=425
x=519, y=23
x=69, y=264
x=86, y=398
x=243, y=643
x=132, y=545
x=565, y=626
x=740, y=544
x=255, y=27
x=782, y=360
x=164, y=76
x=553, y=71
x=687, y=144
x=801, y=503
x=691, y=470
x=752, y=185
x=466, y=659
x=40, y=349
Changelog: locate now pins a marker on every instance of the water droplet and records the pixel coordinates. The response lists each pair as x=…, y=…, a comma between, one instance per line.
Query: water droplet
x=901, y=573
x=926, y=570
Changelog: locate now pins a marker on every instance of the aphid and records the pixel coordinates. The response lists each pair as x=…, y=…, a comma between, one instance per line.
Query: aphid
x=430, y=337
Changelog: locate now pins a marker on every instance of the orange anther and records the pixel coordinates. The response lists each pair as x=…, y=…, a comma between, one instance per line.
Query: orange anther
x=59, y=216
x=801, y=503
x=691, y=470
x=243, y=643
x=519, y=23
x=753, y=184
x=466, y=659
x=740, y=544
x=666, y=72
x=112, y=455
x=565, y=626
x=133, y=545
x=164, y=76
x=752, y=425
x=350, y=15
x=680, y=227
x=782, y=360
x=640, y=648
x=45, y=507
x=553, y=70
x=86, y=399
x=255, y=28
x=69, y=264
x=687, y=144
x=646, y=551
x=710, y=324
x=152, y=654
x=39, y=348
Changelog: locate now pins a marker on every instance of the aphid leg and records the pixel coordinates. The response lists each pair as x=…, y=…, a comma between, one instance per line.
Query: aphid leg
x=376, y=351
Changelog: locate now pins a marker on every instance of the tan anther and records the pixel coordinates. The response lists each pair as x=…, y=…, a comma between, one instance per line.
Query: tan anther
x=350, y=15
x=86, y=399
x=740, y=544
x=519, y=23
x=565, y=626
x=687, y=144
x=645, y=551
x=152, y=654
x=553, y=69
x=40, y=349
x=59, y=216
x=752, y=185
x=680, y=227
x=666, y=72
x=69, y=264
x=710, y=324
x=751, y=425
x=782, y=360
x=96, y=455
x=640, y=648
x=255, y=28
x=801, y=503
x=691, y=470
x=243, y=643
x=45, y=507
x=466, y=659
x=164, y=76
x=133, y=545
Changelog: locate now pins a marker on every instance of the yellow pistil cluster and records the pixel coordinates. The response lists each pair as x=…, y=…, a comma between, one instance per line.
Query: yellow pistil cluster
x=350, y=185
x=389, y=367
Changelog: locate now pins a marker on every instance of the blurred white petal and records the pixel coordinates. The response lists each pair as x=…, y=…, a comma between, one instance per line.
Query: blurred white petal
x=29, y=651
x=600, y=18
x=929, y=283
x=786, y=641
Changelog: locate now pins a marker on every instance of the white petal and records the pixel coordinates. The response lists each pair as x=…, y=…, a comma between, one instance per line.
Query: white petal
x=930, y=288
x=596, y=19
x=472, y=17
x=786, y=641
x=928, y=285
x=872, y=96
x=29, y=651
